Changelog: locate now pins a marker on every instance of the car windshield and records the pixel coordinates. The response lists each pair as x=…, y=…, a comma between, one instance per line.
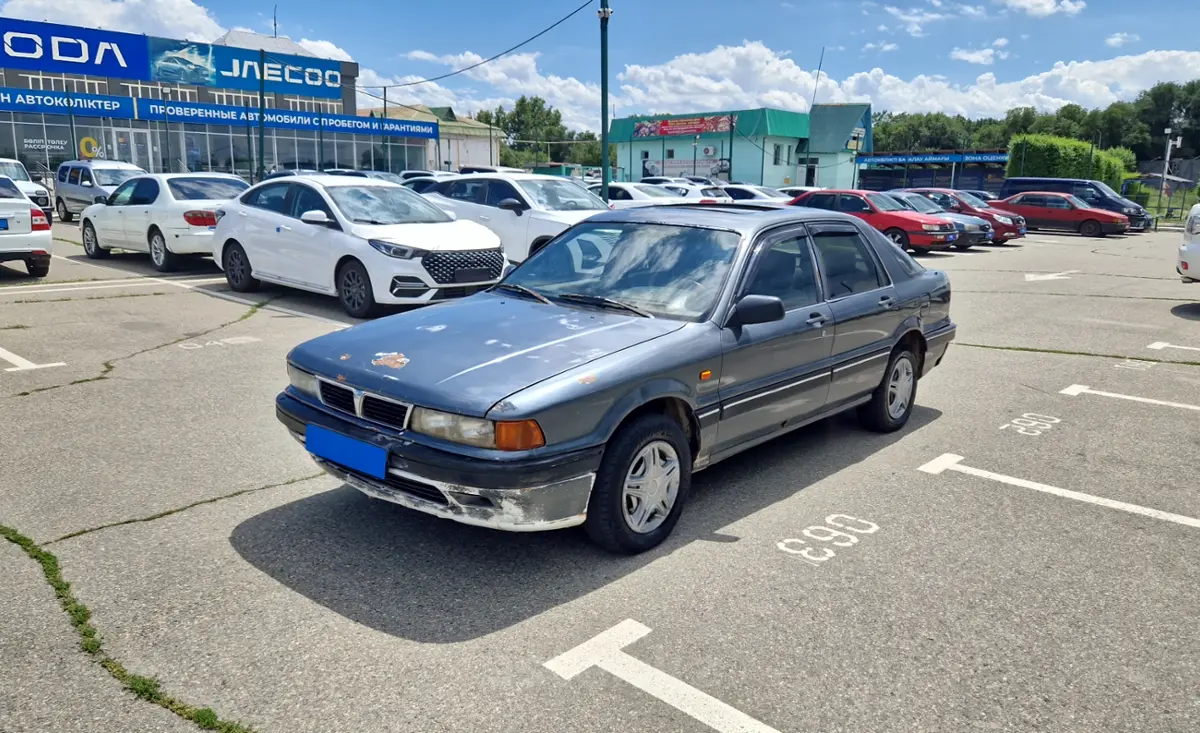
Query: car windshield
x=115, y=176
x=1105, y=189
x=973, y=201
x=883, y=202
x=560, y=195
x=654, y=191
x=384, y=205
x=1078, y=202
x=770, y=193
x=921, y=204
x=205, y=189
x=668, y=271
x=13, y=170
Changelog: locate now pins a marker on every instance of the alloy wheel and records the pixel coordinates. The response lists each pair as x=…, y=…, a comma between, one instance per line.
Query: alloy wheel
x=651, y=487
x=235, y=266
x=158, y=250
x=354, y=289
x=900, y=387
x=89, y=240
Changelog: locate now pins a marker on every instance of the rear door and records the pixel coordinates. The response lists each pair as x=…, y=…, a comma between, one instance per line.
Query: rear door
x=827, y=201
x=776, y=374
x=864, y=305
x=136, y=222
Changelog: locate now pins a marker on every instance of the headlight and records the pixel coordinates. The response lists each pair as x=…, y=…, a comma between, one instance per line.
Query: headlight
x=304, y=382
x=1130, y=210
x=511, y=436
x=399, y=251
x=1004, y=220
x=40, y=192
x=932, y=227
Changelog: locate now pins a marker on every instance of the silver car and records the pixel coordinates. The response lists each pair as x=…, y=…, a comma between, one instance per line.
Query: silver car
x=82, y=183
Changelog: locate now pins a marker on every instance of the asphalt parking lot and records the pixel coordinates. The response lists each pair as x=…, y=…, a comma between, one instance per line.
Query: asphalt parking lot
x=1022, y=557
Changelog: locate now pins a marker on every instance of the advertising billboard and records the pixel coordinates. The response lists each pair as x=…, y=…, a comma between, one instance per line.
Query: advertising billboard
x=684, y=126
x=155, y=110
x=72, y=50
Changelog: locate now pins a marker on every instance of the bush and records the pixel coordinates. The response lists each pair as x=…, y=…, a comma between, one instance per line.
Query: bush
x=1128, y=159
x=1063, y=157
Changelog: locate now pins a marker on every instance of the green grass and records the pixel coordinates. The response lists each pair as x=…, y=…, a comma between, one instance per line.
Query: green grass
x=91, y=643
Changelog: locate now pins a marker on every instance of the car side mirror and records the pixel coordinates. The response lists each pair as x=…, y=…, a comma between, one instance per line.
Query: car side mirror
x=316, y=217
x=36, y=177
x=86, y=184
x=101, y=200
x=752, y=309
x=513, y=205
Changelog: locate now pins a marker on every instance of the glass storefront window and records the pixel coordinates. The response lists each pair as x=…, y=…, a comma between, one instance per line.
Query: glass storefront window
x=306, y=151
x=242, y=162
x=31, y=145
x=416, y=157
x=221, y=152
x=285, y=150
x=195, y=151
x=344, y=145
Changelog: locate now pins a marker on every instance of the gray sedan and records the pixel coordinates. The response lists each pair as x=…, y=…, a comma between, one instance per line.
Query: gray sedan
x=636, y=348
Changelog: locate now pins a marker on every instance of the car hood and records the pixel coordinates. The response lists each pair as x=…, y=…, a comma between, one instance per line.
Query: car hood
x=967, y=219
x=466, y=356
x=448, y=235
x=29, y=187
x=918, y=218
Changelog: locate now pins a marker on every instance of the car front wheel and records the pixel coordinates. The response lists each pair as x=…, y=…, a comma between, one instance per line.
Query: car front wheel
x=238, y=272
x=642, y=484
x=355, y=291
x=1091, y=228
x=899, y=237
x=91, y=245
x=892, y=402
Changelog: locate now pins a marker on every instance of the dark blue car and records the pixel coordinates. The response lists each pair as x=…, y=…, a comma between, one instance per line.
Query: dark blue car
x=639, y=346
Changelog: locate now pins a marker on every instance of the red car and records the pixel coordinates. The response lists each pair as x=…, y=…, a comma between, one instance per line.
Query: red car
x=907, y=228
x=1006, y=224
x=1049, y=210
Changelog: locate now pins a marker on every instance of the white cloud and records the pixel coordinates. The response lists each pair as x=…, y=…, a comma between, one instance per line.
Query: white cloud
x=984, y=56
x=1117, y=40
x=1042, y=8
x=168, y=18
x=1000, y=42
x=882, y=47
x=972, y=11
x=883, y=28
x=914, y=19
x=325, y=49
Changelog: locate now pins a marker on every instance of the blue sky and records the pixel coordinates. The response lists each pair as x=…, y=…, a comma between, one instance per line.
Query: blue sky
x=979, y=57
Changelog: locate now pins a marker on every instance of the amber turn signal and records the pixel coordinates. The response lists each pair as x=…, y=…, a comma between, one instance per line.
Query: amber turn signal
x=519, y=435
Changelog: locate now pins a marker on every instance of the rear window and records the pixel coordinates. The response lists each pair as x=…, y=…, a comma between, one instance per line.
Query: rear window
x=9, y=190
x=205, y=189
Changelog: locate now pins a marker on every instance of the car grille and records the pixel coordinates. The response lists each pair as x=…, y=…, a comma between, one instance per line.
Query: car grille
x=371, y=407
x=444, y=266
x=453, y=293
x=339, y=398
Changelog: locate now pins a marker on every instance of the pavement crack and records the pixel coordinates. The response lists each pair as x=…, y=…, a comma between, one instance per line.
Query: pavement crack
x=193, y=505
x=1063, y=352
x=91, y=643
x=108, y=366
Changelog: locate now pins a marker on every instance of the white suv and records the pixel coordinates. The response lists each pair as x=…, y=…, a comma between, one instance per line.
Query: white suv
x=364, y=240
x=1189, y=252
x=524, y=209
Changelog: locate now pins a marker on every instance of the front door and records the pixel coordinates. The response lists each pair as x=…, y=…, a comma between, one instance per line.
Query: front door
x=136, y=220
x=264, y=218
x=866, y=310
x=109, y=222
x=777, y=374
x=511, y=226
x=312, y=255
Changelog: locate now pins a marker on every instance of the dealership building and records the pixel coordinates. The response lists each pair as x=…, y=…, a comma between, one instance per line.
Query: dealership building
x=169, y=105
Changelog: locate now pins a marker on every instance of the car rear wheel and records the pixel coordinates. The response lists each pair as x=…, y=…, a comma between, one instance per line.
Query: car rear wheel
x=892, y=402
x=163, y=259
x=61, y=207
x=238, y=272
x=354, y=290
x=1091, y=228
x=899, y=237
x=91, y=245
x=641, y=487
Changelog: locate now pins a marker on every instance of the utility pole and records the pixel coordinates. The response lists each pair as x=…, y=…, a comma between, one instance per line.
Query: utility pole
x=167, y=127
x=383, y=137
x=606, y=173
x=1176, y=143
x=695, y=144
x=262, y=109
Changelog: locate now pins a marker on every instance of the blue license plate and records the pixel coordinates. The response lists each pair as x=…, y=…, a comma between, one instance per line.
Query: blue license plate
x=991, y=235
x=354, y=454
x=951, y=237
x=3, y=224
x=1022, y=230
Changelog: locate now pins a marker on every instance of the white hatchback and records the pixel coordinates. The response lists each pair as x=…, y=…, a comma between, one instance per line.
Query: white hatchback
x=365, y=241
x=168, y=215
x=633, y=195
x=1188, y=266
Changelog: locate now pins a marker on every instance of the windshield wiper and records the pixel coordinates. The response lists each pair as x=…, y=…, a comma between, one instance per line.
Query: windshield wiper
x=602, y=302
x=529, y=292
x=372, y=221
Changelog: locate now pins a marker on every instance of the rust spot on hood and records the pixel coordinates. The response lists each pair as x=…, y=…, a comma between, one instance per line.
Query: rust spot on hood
x=391, y=360
x=587, y=379
x=345, y=357
x=341, y=377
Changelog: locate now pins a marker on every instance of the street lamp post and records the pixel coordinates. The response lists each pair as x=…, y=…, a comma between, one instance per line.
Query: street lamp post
x=695, y=144
x=606, y=173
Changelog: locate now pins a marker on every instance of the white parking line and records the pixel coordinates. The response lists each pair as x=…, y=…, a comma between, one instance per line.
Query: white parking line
x=1077, y=389
x=21, y=364
x=951, y=462
x=133, y=282
x=1160, y=345
x=605, y=651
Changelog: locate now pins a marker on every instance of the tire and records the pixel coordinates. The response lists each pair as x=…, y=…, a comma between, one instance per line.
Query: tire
x=899, y=238
x=962, y=247
x=38, y=268
x=238, y=272
x=536, y=247
x=882, y=414
x=60, y=208
x=354, y=290
x=1091, y=228
x=163, y=259
x=91, y=243
x=612, y=513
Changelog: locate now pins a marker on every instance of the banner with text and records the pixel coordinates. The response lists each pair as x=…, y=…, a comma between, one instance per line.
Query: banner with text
x=684, y=126
x=153, y=109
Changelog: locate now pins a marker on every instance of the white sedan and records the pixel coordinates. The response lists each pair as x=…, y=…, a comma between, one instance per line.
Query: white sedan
x=701, y=194
x=166, y=214
x=24, y=230
x=633, y=195
x=1189, y=252
x=744, y=192
x=363, y=240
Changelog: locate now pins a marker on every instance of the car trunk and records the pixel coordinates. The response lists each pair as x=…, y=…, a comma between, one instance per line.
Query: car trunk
x=15, y=216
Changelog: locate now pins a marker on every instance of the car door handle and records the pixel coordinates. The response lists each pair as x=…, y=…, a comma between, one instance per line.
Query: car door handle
x=887, y=301
x=242, y=213
x=816, y=319
x=485, y=218
x=283, y=228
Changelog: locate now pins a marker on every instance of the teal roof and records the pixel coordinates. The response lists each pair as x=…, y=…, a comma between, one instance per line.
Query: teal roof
x=750, y=123
x=832, y=125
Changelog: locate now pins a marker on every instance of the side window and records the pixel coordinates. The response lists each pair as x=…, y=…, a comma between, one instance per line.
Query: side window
x=144, y=193
x=85, y=176
x=498, y=191
x=942, y=199
x=820, y=201
x=1086, y=192
x=852, y=204
x=738, y=194
x=123, y=194
x=75, y=176
x=1032, y=199
x=785, y=270
x=271, y=198
x=63, y=170
x=308, y=198
x=1057, y=202
x=469, y=191
x=617, y=194
x=846, y=262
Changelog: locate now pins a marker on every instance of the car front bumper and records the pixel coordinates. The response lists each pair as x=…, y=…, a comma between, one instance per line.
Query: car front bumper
x=969, y=239
x=932, y=241
x=1188, y=266
x=527, y=495
x=1113, y=227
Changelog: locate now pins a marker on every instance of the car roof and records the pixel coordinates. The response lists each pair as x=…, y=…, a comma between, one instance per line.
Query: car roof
x=197, y=174
x=331, y=181
x=509, y=176
x=743, y=217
